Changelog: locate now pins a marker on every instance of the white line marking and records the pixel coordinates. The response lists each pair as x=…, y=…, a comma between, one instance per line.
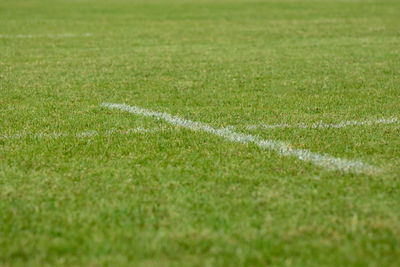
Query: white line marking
x=31, y=36
x=282, y=148
x=87, y=134
x=321, y=125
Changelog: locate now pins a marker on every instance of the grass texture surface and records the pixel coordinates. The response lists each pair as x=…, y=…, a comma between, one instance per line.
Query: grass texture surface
x=82, y=184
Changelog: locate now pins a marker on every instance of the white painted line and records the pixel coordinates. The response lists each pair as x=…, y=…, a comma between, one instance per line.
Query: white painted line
x=321, y=125
x=87, y=134
x=133, y=131
x=31, y=36
x=282, y=148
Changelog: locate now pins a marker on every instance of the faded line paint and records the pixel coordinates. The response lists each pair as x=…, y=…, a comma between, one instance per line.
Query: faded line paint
x=282, y=148
x=321, y=125
x=87, y=134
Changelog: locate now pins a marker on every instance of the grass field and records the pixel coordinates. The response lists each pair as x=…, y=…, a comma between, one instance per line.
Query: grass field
x=252, y=133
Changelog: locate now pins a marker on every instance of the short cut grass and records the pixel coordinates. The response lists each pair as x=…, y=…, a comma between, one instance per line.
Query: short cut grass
x=174, y=197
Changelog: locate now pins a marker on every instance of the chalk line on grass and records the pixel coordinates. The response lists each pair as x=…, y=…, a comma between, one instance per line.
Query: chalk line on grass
x=87, y=134
x=56, y=35
x=321, y=125
x=282, y=148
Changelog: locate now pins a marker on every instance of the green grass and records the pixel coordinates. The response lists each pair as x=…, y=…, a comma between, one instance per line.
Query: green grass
x=172, y=197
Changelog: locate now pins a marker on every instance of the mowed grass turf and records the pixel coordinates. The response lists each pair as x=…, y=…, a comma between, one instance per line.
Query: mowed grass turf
x=169, y=196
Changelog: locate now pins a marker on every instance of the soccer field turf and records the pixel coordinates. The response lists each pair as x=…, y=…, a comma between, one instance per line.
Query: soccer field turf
x=199, y=132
